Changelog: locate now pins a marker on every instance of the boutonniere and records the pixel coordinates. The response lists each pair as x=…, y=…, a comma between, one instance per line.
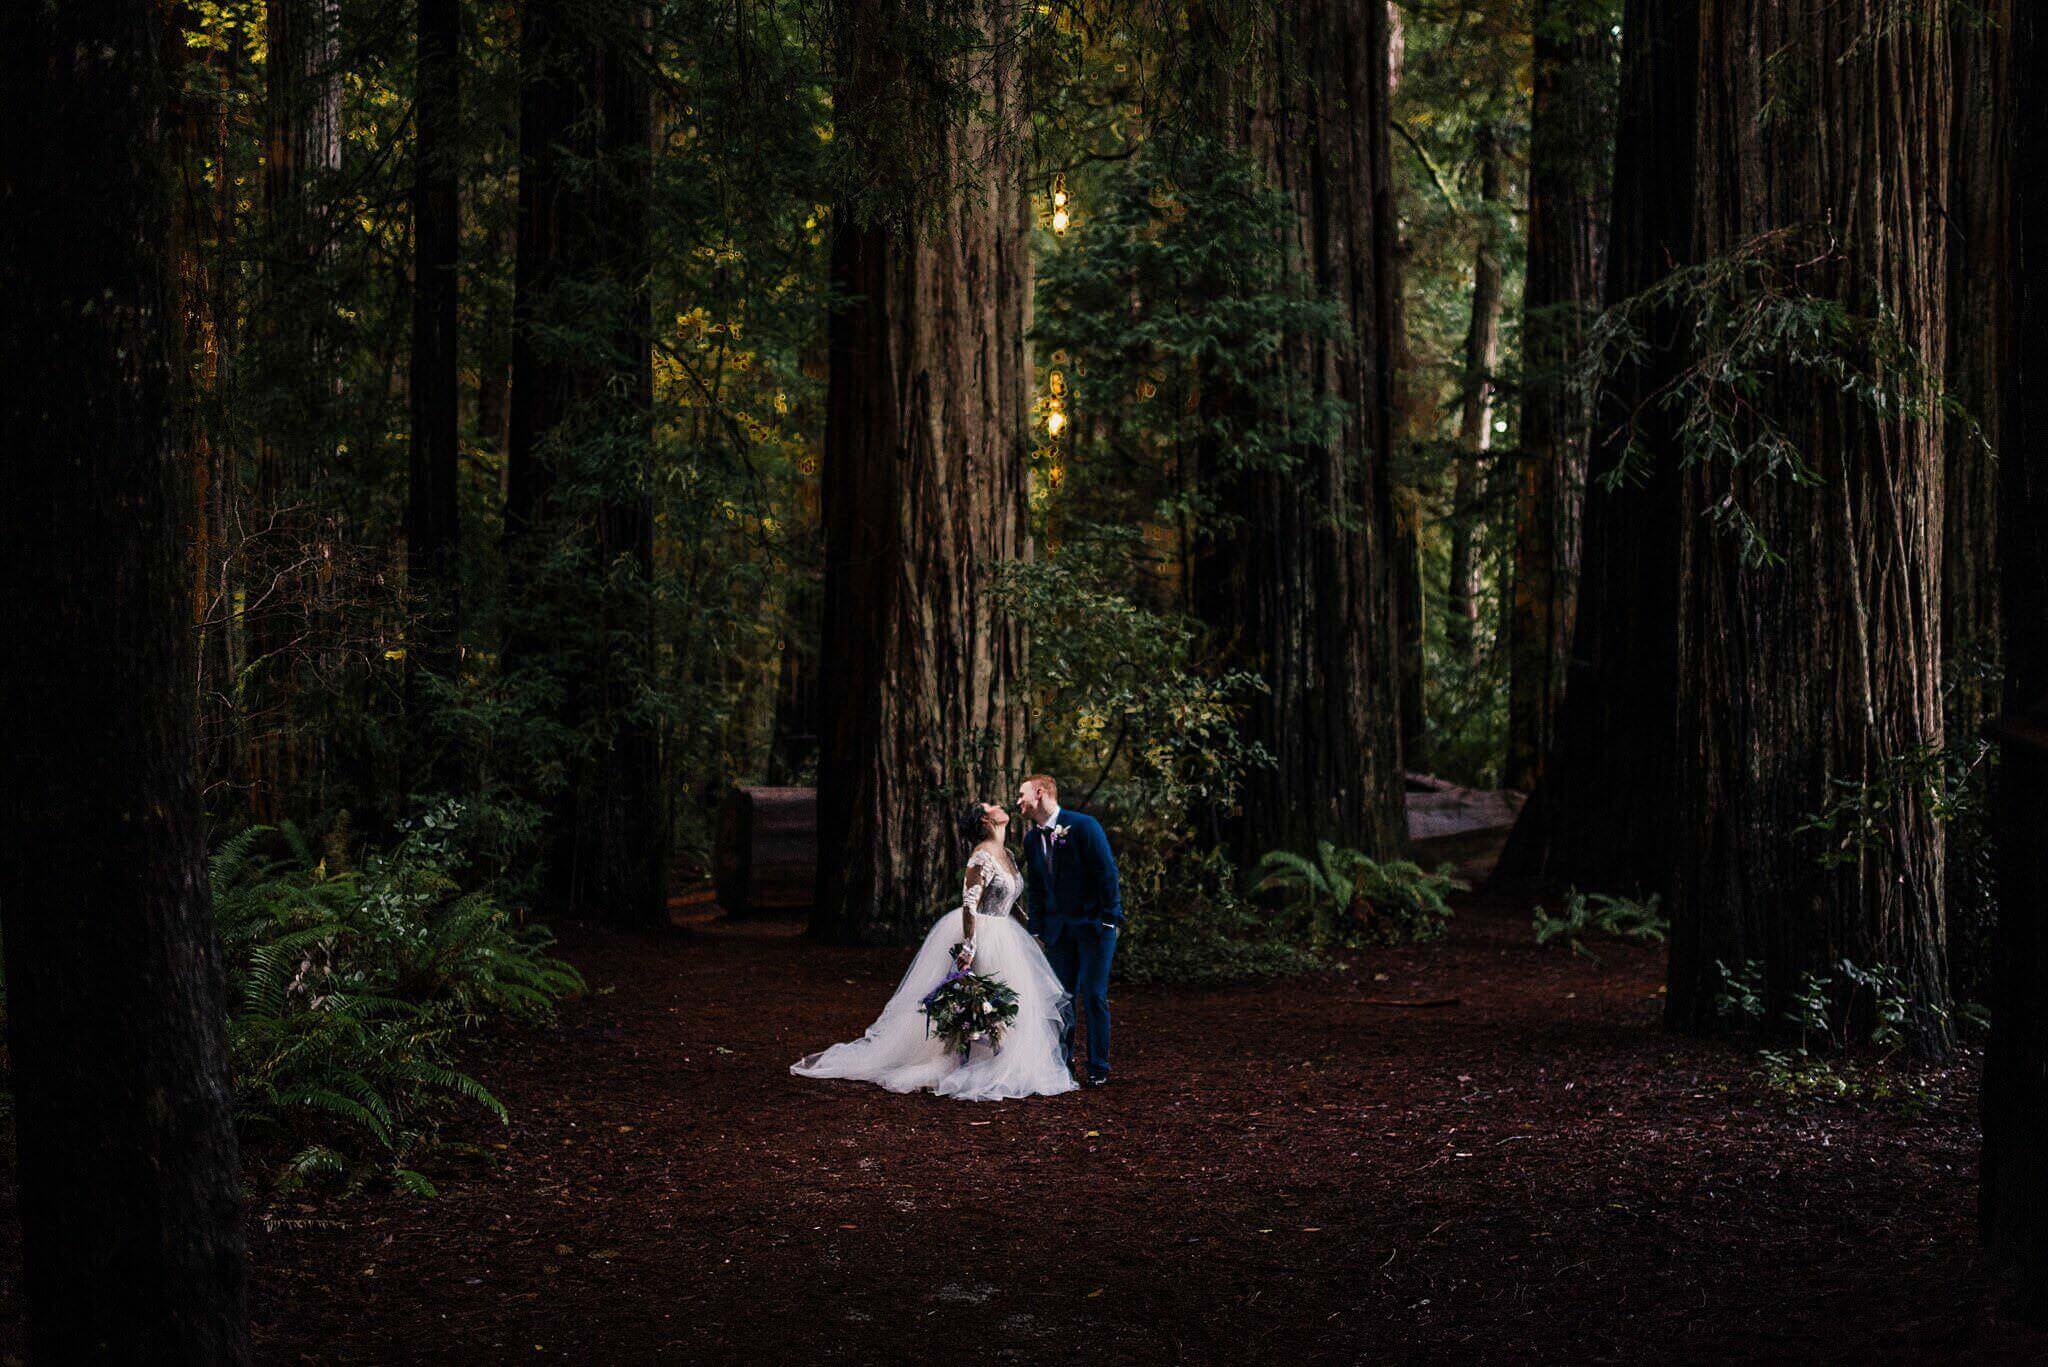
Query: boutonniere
x=1059, y=833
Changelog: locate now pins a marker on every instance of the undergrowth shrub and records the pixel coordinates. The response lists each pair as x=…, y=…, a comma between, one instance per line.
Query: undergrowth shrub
x=1346, y=898
x=1808, y=1057
x=351, y=988
x=1196, y=929
x=1619, y=918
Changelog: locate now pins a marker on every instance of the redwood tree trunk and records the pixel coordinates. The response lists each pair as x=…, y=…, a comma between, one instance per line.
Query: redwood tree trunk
x=431, y=514
x=126, y=1149
x=302, y=149
x=1569, y=170
x=1304, y=580
x=2015, y=1180
x=1601, y=818
x=578, y=509
x=924, y=483
x=1413, y=420
x=1475, y=413
x=1828, y=121
x=1980, y=331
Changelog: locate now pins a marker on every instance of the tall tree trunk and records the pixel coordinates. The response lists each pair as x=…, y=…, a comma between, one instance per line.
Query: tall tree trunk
x=1980, y=328
x=1978, y=219
x=202, y=214
x=1819, y=672
x=1601, y=818
x=2015, y=1180
x=1475, y=411
x=1302, y=579
x=924, y=482
x=432, y=527
x=1569, y=168
x=579, y=512
x=126, y=1150
x=302, y=150
x=1413, y=419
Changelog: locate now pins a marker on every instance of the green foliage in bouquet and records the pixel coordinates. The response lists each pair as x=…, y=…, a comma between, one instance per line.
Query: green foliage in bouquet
x=1348, y=898
x=349, y=990
x=970, y=1008
x=1620, y=917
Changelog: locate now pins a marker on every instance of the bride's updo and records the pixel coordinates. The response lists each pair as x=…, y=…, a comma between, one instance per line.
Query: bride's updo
x=973, y=826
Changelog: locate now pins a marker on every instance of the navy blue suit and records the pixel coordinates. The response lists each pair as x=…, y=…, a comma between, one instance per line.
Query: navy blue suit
x=1076, y=903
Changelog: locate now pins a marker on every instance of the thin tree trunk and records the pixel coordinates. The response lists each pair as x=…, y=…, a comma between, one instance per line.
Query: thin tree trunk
x=2014, y=1202
x=1475, y=412
x=579, y=487
x=1828, y=121
x=1568, y=186
x=432, y=526
x=924, y=484
x=126, y=1149
x=1601, y=818
x=1413, y=420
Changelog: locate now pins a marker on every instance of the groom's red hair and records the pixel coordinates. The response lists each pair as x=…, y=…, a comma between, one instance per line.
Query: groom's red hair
x=1049, y=783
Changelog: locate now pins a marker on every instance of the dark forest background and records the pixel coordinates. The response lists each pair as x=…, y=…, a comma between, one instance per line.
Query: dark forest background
x=505, y=428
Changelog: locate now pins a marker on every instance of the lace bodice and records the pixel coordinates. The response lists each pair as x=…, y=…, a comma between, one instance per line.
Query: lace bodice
x=998, y=889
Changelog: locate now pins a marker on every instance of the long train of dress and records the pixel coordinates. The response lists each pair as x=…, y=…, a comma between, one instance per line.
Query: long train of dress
x=898, y=1051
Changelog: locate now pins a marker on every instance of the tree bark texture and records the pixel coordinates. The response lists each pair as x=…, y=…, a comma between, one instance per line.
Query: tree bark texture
x=1414, y=417
x=1601, y=818
x=1980, y=275
x=1304, y=582
x=128, y=1164
x=2014, y=1201
x=924, y=486
x=1829, y=122
x=1569, y=173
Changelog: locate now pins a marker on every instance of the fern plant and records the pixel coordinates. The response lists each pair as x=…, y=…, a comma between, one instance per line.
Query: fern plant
x=1620, y=918
x=1352, y=899
x=349, y=990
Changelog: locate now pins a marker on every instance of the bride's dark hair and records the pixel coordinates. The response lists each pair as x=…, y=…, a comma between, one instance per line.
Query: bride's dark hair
x=973, y=826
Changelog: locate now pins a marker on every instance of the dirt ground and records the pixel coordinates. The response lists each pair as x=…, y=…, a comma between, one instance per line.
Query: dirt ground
x=1289, y=1173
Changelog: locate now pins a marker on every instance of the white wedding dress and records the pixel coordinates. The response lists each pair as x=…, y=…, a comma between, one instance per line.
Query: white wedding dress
x=899, y=1053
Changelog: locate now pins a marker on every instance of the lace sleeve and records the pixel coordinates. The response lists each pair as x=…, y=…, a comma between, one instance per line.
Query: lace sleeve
x=976, y=881
x=973, y=884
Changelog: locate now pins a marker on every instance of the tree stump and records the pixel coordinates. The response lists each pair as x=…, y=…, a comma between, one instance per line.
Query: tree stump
x=766, y=857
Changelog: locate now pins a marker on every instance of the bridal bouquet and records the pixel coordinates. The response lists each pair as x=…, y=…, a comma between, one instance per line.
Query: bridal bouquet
x=969, y=1007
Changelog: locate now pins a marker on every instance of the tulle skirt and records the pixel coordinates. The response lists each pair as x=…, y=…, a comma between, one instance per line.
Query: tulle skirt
x=899, y=1053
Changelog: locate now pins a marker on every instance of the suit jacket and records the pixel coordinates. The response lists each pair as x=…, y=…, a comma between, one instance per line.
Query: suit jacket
x=1070, y=878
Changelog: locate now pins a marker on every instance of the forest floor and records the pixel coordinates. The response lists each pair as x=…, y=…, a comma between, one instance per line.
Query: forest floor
x=1281, y=1173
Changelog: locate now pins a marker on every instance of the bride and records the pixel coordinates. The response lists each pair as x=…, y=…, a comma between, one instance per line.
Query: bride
x=899, y=1053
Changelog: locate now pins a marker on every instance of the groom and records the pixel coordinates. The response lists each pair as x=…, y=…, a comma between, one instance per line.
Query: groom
x=1076, y=908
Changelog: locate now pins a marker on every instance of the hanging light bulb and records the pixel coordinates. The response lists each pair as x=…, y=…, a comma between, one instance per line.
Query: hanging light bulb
x=1055, y=404
x=1060, y=217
